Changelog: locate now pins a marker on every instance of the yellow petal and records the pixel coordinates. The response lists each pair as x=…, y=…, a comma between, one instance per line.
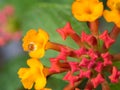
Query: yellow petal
x=43, y=35
x=113, y=4
x=28, y=82
x=22, y=72
x=28, y=38
x=40, y=83
x=35, y=63
x=112, y=16
x=37, y=53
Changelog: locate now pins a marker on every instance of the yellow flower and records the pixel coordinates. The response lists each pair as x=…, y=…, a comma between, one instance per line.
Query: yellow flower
x=113, y=4
x=87, y=10
x=35, y=42
x=113, y=15
x=34, y=74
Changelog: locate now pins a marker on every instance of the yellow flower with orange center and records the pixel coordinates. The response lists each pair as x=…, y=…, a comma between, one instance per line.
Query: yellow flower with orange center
x=34, y=75
x=35, y=43
x=114, y=14
x=87, y=10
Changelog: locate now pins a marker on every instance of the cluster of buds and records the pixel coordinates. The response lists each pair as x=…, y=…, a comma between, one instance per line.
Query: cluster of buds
x=92, y=60
x=9, y=29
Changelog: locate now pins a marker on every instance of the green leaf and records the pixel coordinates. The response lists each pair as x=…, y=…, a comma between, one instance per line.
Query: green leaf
x=50, y=16
x=8, y=74
x=115, y=86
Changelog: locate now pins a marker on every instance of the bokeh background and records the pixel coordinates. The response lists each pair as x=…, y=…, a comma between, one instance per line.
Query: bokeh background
x=48, y=15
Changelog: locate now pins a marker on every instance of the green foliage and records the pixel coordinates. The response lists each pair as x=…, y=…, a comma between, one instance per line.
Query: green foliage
x=8, y=74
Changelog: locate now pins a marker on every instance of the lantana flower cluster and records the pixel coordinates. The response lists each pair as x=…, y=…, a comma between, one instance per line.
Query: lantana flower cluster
x=93, y=60
x=9, y=29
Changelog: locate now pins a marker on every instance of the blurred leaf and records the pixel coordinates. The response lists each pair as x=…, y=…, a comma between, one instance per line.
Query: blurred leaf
x=50, y=17
x=115, y=86
x=8, y=74
x=55, y=83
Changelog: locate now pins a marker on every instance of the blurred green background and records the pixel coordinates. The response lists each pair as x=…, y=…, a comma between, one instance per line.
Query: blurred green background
x=48, y=15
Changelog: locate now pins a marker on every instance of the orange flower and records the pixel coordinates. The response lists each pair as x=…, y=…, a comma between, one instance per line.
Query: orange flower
x=87, y=10
x=35, y=43
x=34, y=74
x=114, y=14
x=113, y=4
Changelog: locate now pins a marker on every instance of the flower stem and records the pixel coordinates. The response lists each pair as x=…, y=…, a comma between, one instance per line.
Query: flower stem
x=94, y=27
x=105, y=86
x=57, y=47
x=47, y=71
x=116, y=57
x=72, y=87
x=115, y=32
x=77, y=39
x=89, y=85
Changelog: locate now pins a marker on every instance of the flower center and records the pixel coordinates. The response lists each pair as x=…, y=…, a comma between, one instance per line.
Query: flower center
x=32, y=46
x=88, y=11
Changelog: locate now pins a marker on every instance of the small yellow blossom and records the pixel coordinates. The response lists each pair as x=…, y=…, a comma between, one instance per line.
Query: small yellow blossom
x=113, y=15
x=113, y=4
x=35, y=42
x=87, y=10
x=34, y=74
